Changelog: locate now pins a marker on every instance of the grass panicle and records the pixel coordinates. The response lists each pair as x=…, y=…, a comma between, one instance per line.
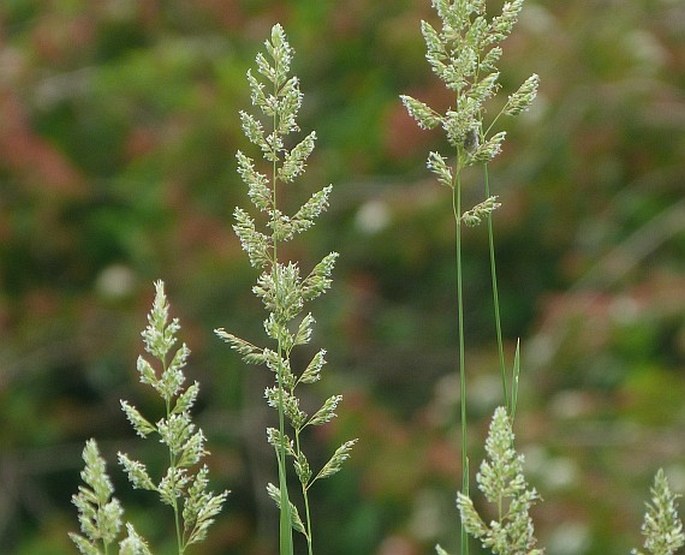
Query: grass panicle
x=99, y=513
x=183, y=485
x=662, y=527
x=503, y=484
x=282, y=287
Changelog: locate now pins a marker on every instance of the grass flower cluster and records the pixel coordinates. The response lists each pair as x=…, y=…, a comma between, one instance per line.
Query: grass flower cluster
x=463, y=53
x=282, y=288
x=503, y=484
x=99, y=513
x=183, y=486
x=662, y=527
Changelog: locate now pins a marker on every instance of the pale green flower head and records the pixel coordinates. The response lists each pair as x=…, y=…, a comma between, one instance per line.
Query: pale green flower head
x=464, y=53
x=99, y=513
x=502, y=482
x=181, y=486
x=282, y=286
x=133, y=544
x=662, y=527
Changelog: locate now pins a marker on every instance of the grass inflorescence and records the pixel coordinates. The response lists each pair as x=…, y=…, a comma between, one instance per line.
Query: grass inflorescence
x=183, y=485
x=282, y=287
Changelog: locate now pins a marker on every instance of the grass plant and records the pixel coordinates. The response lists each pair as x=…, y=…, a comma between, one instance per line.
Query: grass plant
x=464, y=54
x=281, y=287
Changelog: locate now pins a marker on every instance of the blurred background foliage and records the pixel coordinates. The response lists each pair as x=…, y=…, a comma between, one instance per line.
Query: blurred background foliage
x=118, y=127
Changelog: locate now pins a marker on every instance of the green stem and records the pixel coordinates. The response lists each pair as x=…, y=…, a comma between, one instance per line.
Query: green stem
x=494, y=120
x=285, y=526
x=495, y=296
x=310, y=543
x=305, y=497
x=285, y=531
x=172, y=464
x=179, y=539
x=456, y=210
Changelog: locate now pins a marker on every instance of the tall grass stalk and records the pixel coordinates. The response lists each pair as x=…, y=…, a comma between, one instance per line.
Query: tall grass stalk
x=464, y=54
x=456, y=212
x=281, y=287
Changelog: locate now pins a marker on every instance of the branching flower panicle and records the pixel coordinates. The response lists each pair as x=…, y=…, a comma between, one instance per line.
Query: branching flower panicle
x=662, y=527
x=181, y=487
x=480, y=212
x=463, y=54
x=282, y=287
x=100, y=514
x=502, y=482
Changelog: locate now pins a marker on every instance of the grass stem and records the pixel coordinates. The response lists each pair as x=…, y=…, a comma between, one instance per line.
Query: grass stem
x=456, y=210
x=285, y=523
x=307, y=511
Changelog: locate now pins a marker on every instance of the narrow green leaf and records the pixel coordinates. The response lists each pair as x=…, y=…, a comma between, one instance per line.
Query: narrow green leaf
x=516, y=372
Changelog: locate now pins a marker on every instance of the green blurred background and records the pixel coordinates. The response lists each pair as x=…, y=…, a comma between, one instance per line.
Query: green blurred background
x=118, y=128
